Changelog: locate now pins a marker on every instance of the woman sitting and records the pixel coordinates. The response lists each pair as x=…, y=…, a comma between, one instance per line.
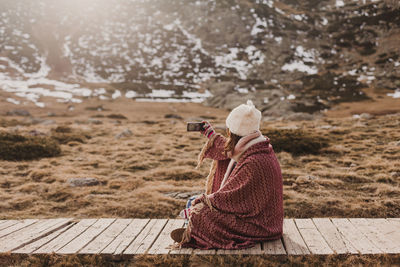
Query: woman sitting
x=243, y=202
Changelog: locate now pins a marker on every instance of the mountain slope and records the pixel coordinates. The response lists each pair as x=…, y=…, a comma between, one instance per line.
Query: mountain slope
x=292, y=56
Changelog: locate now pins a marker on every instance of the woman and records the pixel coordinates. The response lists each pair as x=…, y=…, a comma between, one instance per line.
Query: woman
x=243, y=201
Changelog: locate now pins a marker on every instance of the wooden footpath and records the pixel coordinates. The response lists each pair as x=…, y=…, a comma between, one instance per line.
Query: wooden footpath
x=122, y=237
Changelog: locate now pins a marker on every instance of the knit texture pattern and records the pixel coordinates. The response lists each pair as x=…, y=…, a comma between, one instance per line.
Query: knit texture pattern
x=247, y=209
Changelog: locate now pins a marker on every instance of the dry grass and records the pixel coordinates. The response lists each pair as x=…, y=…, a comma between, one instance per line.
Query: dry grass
x=199, y=261
x=354, y=174
x=24, y=147
x=346, y=169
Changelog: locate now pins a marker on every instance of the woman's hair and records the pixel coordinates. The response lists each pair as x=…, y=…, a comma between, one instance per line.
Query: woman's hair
x=231, y=142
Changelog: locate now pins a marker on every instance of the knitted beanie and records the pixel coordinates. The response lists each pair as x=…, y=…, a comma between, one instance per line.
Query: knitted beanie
x=244, y=119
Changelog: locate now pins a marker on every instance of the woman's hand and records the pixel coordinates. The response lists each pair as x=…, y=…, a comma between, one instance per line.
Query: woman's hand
x=208, y=130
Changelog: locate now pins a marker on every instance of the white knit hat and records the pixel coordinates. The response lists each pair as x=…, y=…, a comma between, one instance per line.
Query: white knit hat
x=244, y=119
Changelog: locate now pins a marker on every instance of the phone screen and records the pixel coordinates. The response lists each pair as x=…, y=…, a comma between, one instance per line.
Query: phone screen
x=195, y=126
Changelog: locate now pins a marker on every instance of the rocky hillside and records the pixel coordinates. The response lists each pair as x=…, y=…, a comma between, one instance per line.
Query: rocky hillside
x=287, y=55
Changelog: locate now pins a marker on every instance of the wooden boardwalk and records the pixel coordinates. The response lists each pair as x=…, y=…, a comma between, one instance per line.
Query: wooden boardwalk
x=151, y=236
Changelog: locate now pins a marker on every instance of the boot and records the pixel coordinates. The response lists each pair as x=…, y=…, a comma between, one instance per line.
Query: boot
x=177, y=234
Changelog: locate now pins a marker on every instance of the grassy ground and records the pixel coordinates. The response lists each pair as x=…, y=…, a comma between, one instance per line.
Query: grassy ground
x=335, y=167
x=202, y=261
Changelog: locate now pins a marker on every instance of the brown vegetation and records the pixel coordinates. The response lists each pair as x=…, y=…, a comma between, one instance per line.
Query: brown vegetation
x=23, y=147
x=332, y=167
x=199, y=260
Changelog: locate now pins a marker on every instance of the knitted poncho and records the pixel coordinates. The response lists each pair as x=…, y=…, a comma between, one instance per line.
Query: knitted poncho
x=247, y=209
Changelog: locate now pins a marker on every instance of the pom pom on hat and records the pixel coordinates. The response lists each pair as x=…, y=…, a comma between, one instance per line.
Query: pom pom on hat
x=244, y=119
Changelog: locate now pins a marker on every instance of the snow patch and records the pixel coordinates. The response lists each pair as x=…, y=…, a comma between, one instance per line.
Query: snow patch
x=300, y=66
x=131, y=94
x=259, y=26
x=160, y=93
x=14, y=101
x=116, y=94
x=396, y=94
x=339, y=3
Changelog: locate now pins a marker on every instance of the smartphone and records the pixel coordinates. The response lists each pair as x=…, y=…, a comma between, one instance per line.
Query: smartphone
x=195, y=126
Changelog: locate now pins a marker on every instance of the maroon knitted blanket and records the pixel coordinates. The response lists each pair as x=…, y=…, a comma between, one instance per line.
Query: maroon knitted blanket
x=247, y=209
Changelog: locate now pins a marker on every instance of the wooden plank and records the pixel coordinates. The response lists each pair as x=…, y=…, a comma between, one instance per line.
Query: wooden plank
x=137, y=236
x=125, y=238
x=221, y=251
x=86, y=237
x=355, y=236
x=8, y=223
x=31, y=233
x=389, y=227
x=164, y=241
x=274, y=247
x=29, y=248
x=395, y=220
x=106, y=237
x=312, y=237
x=255, y=250
x=372, y=232
x=18, y=226
x=388, y=232
x=335, y=240
x=204, y=251
x=146, y=238
x=66, y=237
x=186, y=251
x=292, y=239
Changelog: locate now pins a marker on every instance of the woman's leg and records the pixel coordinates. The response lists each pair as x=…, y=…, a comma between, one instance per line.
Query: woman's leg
x=188, y=205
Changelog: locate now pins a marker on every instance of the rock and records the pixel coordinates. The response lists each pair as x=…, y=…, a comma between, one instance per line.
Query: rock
x=149, y=122
x=41, y=121
x=183, y=195
x=18, y=112
x=35, y=120
x=124, y=133
x=290, y=127
x=117, y=116
x=352, y=165
x=173, y=116
x=94, y=121
x=326, y=127
x=96, y=108
x=221, y=88
x=365, y=116
x=300, y=116
x=51, y=114
x=47, y=122
x=36, y=133
x=398, y=143
x=395, y=174
x=78, y=182
x=304, y=179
